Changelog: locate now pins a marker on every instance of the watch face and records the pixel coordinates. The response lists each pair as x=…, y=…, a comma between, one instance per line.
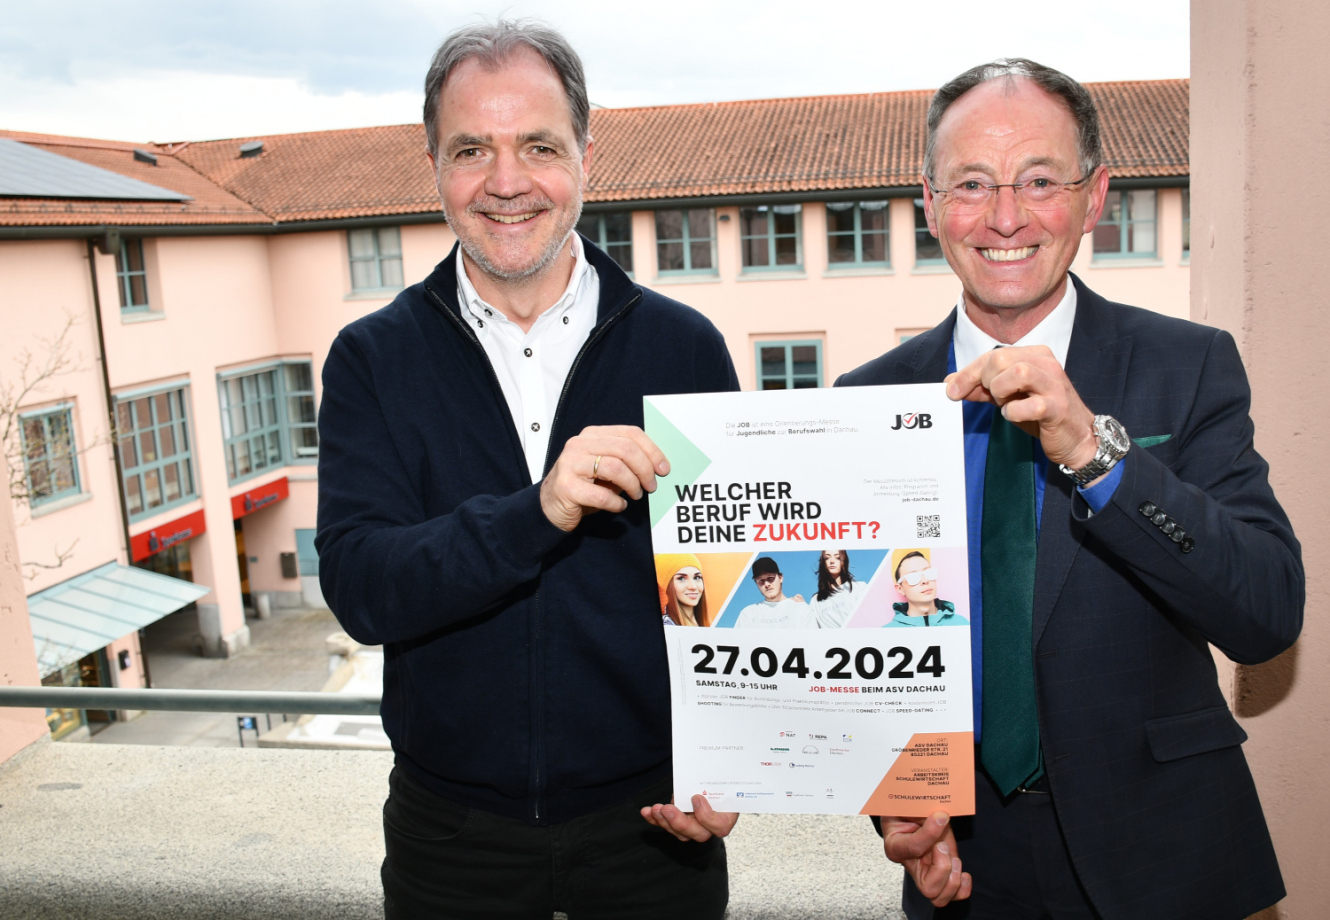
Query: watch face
x=1113, y=434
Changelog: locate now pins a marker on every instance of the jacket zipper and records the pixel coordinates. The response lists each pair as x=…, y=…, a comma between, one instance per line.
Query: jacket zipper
x=494, y=377
x=538, y=684
x=567, y=381
x=537, y=722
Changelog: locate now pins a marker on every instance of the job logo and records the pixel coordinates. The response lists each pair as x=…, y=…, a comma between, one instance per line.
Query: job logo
x=913, y=420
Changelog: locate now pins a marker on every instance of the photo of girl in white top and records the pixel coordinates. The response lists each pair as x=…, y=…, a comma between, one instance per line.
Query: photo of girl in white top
x=836, y=597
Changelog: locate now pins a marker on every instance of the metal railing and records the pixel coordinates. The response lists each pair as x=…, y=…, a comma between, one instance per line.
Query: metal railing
x=339, y=704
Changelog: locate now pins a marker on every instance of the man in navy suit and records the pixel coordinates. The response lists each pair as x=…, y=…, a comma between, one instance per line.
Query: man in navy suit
x=1120, y=523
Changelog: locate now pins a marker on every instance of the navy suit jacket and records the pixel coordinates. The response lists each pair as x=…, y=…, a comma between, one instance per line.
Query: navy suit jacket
x=1144, y=759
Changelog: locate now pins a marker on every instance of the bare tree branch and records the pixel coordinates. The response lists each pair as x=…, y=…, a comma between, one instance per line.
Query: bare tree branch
x=34, y=372
x=61, y=557
x=35, y=462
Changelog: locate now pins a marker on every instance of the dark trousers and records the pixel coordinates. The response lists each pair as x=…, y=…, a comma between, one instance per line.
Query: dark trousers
x=445, y=860
x=1015, y=852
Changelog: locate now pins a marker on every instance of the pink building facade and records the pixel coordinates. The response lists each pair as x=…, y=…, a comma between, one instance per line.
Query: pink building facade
x=179, y=435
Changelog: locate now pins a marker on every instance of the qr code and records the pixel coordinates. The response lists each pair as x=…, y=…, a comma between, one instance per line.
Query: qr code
x=927, y=525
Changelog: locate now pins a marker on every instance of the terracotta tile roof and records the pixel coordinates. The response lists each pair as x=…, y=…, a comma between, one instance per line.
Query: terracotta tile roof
x=766, y=145
x=1147, y=126
x=210, y=203
x=324, y=174
x=814, y=143
x=809, y=144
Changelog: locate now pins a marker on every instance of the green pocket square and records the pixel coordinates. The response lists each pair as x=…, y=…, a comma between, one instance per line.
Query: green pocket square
x=1152, y=440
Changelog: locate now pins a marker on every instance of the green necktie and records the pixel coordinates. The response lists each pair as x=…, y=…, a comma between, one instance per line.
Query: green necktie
x=1010, y=746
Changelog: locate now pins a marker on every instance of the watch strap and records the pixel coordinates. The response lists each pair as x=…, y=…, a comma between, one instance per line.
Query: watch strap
x=1106, y=456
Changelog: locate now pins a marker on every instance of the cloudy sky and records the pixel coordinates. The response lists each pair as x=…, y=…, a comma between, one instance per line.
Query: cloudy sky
x=164, y=70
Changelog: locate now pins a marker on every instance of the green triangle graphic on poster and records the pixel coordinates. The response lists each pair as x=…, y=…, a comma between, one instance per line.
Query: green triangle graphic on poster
x=687, y=463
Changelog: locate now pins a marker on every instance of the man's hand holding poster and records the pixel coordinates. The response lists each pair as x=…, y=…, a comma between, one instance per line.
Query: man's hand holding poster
x=817, y=539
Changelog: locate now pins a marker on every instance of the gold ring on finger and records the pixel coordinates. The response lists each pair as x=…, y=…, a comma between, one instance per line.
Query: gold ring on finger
x=595, y=467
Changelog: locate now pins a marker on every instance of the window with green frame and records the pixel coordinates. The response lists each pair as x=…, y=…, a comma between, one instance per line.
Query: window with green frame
x=307, y=556
x=857, y=234
x=376, y=259
x=268, y=419
x=153, y=439
x=131, y=276
x=612, y=231
x=1127, y=226
x=1186, y=222
x=769, y=237
x=789, y=365
x=685, y=240
x=927, y=247
x=50, y=461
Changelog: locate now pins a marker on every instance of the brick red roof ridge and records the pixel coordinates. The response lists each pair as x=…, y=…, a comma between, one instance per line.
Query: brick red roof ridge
x=62, y=140
x=761, y=100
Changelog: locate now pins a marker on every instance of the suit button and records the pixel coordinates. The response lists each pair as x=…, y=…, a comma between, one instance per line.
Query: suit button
x=1188, y=544
x=1158, y=518
x=1148, y=509
x=1169, y=526
x=1178, y=535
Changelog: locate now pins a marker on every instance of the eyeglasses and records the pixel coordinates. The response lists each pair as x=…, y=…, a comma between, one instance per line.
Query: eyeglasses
x=1036, y=194
x=913, y=578
x=766, y=580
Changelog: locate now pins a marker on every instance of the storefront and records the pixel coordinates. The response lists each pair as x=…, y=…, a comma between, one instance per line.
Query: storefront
x=259, y=498
x=86, y=632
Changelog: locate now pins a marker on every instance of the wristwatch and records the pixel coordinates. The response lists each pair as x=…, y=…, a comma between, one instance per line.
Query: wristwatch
x=1113, y=446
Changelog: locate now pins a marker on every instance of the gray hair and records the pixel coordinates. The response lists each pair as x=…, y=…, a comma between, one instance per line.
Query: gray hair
x=1090, y=142
x=493, y=44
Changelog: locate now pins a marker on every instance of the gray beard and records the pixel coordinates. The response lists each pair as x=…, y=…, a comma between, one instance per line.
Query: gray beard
x=533, y=273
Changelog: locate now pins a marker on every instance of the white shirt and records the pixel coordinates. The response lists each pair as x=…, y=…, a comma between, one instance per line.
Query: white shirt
x=785, y=613
x=532, y=366
x=835, y=611
x=1054, y=330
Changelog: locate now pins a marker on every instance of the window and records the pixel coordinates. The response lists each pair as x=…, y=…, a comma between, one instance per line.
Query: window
x=1186, y=222
x=857, y=233
x=789, y=365
x=301, y=421
x=153, y=439
x=131, y=275
x=49, y=460
x=927, y=248
x=1127, y=226
x=268, y=419
x=612, y=232
x=376, y=259
x=769, y=236
x=306, y=554
x=684, y=241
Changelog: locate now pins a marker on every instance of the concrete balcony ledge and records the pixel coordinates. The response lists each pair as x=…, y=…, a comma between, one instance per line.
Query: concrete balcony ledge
x=129, y=832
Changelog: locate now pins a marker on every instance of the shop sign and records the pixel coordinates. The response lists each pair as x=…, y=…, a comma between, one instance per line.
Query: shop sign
x=258, y=498
x=164, y=536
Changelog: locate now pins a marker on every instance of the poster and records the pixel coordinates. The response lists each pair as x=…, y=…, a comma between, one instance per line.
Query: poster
x=813, y=583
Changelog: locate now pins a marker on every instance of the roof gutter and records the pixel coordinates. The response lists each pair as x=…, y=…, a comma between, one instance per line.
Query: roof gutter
x=100, y=231
x=840, y=194
x=732, y=201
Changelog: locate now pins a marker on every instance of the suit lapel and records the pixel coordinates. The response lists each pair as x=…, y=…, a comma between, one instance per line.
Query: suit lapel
x=1097, y=367
x=930, y=363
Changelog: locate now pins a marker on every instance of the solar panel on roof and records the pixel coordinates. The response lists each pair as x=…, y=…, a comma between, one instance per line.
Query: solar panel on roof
x=30, y=172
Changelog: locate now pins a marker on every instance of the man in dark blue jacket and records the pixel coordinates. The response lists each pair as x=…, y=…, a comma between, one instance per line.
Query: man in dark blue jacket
x=482, y=516
x=1119, y=520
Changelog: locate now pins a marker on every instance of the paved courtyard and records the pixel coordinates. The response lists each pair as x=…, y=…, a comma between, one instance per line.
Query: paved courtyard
x=286, y=653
